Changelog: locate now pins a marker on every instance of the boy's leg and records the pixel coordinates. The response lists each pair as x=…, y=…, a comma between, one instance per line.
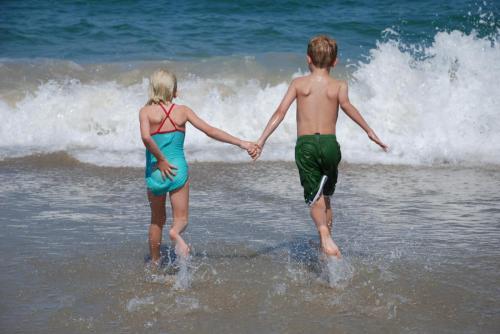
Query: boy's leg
x=319, y=214
x=158, y=217
x=329, y=214
x=179, y=200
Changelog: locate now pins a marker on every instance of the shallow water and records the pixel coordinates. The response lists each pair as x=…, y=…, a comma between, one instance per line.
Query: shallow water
x=420, y=249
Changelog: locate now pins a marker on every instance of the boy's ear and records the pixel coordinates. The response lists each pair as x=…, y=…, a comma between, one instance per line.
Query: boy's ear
x=309, y=60
x=335, y=62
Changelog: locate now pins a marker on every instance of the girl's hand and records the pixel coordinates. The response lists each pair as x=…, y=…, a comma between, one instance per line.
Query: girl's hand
x=252, y=149
x=166, y=169
x=255, y=154
x=376, y=139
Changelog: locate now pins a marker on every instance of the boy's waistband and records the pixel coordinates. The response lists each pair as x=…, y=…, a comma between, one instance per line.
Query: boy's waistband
x=316, y=136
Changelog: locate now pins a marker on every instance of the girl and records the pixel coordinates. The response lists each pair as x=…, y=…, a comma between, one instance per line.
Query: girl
x=163, y=126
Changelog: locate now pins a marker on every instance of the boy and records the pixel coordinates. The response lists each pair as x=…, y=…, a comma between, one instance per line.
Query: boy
x=317, y=153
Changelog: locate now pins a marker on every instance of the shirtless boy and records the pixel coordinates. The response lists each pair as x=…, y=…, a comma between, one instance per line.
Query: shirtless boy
x=317, y=153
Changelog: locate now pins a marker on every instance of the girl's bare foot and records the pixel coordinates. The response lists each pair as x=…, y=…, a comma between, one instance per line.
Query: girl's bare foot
x=329, y=248
x=181, y=248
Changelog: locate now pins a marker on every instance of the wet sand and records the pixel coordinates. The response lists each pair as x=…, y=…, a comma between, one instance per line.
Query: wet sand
x=420, y=251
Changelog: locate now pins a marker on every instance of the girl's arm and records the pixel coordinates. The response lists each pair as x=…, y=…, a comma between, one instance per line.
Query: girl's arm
x=354, y=114
x=278, y=115
x=163, y=165
x=216, y=133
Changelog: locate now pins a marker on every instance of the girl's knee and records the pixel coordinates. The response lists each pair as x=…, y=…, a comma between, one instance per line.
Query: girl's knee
x=173, y=234
x=179, y=224
x=180, y=220
x=158, y=220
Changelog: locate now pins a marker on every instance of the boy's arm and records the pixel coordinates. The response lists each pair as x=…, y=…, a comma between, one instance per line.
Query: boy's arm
x=216, y=133
x=163, y=165
x=354, y=114
x=279, y=114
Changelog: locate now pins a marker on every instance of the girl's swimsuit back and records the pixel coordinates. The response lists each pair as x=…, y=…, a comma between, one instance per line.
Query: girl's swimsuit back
x=171, y=144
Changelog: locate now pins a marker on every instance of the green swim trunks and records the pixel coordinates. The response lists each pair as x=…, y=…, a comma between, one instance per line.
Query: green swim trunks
x=317, y=155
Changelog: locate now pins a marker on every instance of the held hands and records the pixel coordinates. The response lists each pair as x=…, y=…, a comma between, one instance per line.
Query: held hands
x=371, y=134
x=166, y=169
x=253, y=149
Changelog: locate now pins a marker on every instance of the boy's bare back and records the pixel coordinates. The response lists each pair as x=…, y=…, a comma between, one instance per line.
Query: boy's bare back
x=317, y=103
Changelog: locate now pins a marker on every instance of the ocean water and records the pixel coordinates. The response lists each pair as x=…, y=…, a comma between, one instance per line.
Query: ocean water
x=423, y=74
x=419, y=227
x=96, y=31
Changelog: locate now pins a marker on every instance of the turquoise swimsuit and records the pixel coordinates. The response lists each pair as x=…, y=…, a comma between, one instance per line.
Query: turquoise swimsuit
x=171, y=144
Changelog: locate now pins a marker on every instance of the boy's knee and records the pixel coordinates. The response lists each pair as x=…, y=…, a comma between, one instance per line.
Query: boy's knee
x=323, y=230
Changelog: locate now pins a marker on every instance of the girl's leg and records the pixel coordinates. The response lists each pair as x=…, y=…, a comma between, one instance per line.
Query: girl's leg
x=319, y=214
x=179, y=200
x=158, y=217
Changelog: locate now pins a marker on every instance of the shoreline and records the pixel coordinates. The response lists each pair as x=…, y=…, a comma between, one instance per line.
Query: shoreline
x=65, y=160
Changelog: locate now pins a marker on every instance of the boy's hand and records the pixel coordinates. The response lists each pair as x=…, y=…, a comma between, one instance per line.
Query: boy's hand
x=255, y=153
x=258, y=152
x=376, y=139
x=252, y=149
x=166, y=169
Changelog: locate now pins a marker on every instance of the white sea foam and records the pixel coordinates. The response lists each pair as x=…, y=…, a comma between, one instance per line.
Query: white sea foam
x=136, y=303
x=443, y=107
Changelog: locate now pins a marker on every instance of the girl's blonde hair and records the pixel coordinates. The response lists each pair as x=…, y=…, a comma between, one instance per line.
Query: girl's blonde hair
x=162, y=87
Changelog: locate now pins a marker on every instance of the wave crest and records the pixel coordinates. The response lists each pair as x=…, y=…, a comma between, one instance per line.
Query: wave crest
x=439, y=107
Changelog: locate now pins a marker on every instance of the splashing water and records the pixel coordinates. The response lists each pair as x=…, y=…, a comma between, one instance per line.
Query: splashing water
x=184, y=277
x=337, y=272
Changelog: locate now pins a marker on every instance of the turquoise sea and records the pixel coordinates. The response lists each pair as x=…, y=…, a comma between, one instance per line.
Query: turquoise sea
x=103, y=31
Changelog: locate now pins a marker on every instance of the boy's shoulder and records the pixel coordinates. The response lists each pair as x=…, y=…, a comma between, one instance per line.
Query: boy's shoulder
x=300, y=82
x=303, y=78
x=333, y=85
x=306, y=78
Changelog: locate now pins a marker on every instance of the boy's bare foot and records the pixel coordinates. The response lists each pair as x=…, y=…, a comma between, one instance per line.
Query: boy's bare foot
x=329, y=248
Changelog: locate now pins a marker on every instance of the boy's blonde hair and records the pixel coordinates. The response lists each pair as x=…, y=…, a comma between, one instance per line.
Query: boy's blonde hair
x=322, y=50
x=162, y=87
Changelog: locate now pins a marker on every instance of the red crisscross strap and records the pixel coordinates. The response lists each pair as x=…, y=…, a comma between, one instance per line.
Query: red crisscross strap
x=167, y=116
